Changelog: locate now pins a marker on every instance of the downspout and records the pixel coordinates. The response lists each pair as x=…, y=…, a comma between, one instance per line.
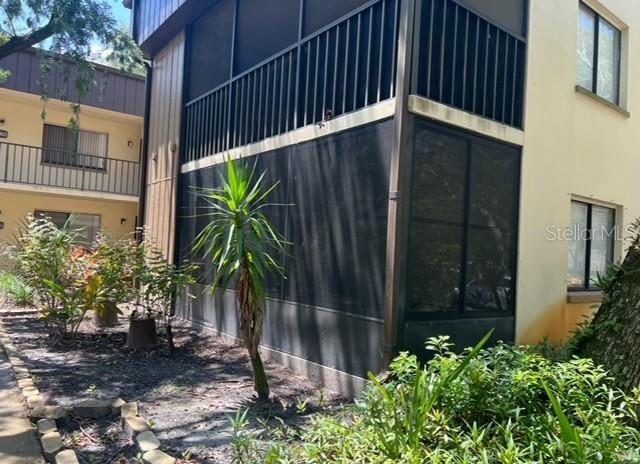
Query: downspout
x=142, y=206
x=395, y=272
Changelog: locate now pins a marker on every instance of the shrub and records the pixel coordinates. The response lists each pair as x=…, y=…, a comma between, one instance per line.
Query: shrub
x=505, y=405
x=16, y=289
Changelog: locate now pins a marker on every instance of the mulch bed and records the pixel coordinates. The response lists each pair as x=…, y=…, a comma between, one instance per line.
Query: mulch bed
x=187, y=395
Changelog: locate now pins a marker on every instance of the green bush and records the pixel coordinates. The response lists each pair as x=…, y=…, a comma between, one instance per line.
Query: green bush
x=501, y=405
x=16, y=289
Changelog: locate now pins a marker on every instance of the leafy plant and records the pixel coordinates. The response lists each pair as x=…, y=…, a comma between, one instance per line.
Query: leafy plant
x=242, y=244
x=499, y=405
x=16, y=289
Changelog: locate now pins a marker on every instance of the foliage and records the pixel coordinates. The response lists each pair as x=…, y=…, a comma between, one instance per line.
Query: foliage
x=69, y=280
x=16, y=289
x=242, y=244
x=505, y=405
x=70, y=28
x=158, y=283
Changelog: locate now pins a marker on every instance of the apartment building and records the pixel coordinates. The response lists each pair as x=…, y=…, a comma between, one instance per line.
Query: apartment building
x=436, y=155
x=47, y=170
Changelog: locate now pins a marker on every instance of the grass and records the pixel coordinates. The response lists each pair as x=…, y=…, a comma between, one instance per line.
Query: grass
x=14, y=288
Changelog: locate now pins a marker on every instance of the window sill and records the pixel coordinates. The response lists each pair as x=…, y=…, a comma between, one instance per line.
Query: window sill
x=589, y=296
x=604, y=101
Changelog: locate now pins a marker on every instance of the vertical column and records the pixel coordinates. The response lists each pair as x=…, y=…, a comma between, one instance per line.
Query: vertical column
x=399, y=192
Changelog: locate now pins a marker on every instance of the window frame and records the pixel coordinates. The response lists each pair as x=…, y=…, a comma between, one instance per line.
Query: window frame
x=596, y=45
x=471, y=139
x=587, y=285
x=44, y=213
x=75, y=165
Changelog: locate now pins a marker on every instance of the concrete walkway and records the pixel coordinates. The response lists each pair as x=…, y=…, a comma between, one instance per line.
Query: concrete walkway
x=18, y=443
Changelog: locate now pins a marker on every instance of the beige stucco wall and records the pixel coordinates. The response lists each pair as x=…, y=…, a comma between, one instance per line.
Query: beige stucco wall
x=15, y=206
x=22, y=113
x=573, y=146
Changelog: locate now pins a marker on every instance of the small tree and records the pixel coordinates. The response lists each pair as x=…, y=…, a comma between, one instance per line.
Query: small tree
x=242, y=245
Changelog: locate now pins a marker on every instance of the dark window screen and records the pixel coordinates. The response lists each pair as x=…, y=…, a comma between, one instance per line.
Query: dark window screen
x=509, y=14
x=264, y=27
x=337, y=192
x=210, y=59
x=339, y=221
x=319, y=13
x=462, y=249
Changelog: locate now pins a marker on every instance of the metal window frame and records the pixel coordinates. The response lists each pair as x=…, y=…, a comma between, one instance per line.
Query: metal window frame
x=586, y=285
x=471, y=140
x=597, y=17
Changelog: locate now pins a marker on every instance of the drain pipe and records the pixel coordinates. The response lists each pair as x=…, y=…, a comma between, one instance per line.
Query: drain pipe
x=142, y=198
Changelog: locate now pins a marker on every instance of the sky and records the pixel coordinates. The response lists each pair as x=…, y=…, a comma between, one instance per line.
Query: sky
x=122, y=14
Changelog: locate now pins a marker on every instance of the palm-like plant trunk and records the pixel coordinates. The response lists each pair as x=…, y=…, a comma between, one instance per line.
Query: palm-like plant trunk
x=251, y=328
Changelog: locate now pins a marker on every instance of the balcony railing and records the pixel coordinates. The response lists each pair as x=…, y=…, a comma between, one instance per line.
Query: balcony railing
x=341, y=68
x=23, y=164
x=467, y=62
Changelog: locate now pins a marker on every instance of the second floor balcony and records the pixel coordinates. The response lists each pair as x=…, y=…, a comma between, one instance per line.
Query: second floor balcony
x=47, y=167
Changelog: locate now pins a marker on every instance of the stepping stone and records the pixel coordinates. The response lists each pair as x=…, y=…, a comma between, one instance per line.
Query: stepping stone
x=157, y=457
x=25, y=383
x=66, y=457
x=129, y=409
x=116, y=406
x=48, y=412
x=133, y=425
x=147, y=441
x=35, y=401
x=51, y=445
x=92, y=409
x=46, y=426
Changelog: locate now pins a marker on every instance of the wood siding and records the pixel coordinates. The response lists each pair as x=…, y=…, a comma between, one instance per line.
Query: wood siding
x=164, y=149
x=112, y=90
x=151, y=14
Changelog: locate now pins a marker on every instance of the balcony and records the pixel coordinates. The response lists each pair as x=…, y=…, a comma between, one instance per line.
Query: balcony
x=344, y=67
x=26, y=165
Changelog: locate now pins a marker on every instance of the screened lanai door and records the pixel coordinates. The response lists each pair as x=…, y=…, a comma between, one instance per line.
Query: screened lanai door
x=462, y=245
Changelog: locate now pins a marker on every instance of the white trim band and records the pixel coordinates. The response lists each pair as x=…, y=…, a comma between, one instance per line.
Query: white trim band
x=377, y=112
x=437, y=111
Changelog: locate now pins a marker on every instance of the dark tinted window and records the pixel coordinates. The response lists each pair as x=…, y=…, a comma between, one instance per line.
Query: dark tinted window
x=337, y=189
x=463, y=222
x=319, y=13
x=264, y=28
x=509, y=14
x=210, y=61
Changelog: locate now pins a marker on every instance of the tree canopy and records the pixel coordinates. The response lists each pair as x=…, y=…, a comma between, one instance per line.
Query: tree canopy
x=71, y=28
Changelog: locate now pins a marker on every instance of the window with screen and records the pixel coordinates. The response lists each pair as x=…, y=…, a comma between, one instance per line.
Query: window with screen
x=85, y=226
x=320, y=13
x=462, y=248
x=66, y=147
x=592, y=233
x=264, y=27
x=598, y=55
x=210, y=58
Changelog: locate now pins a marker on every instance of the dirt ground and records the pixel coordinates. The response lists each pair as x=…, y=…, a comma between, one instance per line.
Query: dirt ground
x=187, y=395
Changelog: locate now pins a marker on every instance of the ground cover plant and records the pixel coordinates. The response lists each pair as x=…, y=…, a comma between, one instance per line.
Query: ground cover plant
x=500, y=405
x=16, y=289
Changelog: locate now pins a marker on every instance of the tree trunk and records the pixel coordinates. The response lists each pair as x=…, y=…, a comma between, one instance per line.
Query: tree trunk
x=612, y=339
x=251, y=328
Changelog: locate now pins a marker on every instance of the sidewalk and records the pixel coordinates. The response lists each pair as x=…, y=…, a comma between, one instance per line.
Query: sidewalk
x=18, y=444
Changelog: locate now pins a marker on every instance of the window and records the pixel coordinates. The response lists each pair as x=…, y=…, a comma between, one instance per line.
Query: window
x=462, y=249
x=264, y=27
x=210, y=59
x=86, y=226
x=598, y=55
x=592, y=241
x=82, y=149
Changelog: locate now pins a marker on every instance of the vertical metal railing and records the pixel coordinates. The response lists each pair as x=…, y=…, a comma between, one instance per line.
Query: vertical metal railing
x=341, y=68
x=465, y=61
x=24, y=164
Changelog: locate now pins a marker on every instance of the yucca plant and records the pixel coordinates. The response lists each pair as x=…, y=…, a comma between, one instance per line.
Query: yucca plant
x=242, y=245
